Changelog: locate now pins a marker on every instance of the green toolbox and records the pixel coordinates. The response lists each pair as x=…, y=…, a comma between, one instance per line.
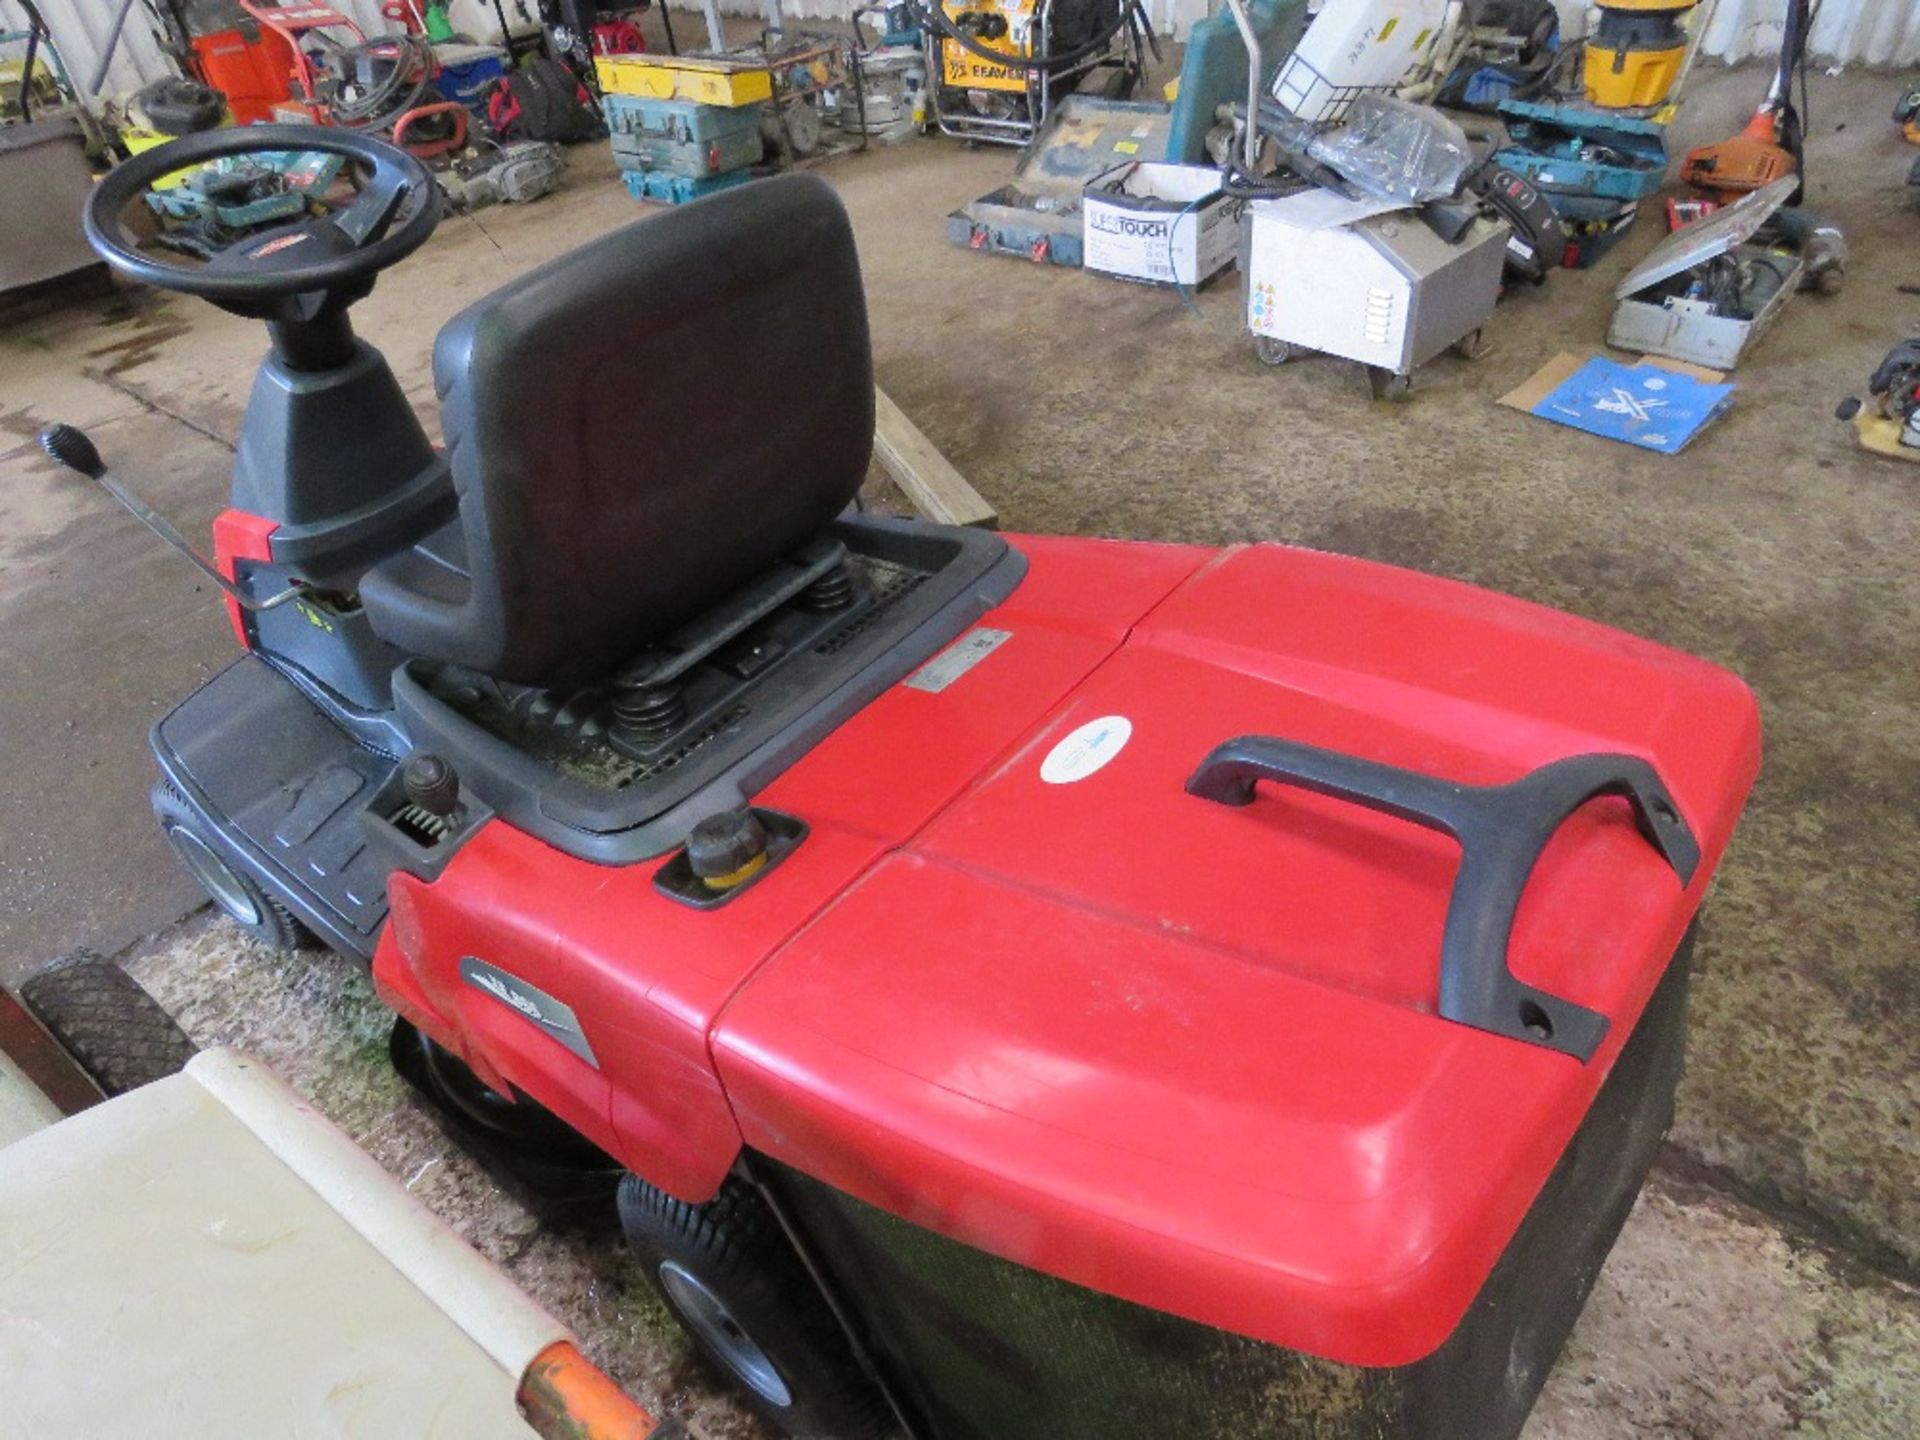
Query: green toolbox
x=683, y=137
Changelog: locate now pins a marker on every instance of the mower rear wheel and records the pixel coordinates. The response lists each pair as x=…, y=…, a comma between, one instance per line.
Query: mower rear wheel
x=731, y=1278
x=243, y=899
x=114, y=1030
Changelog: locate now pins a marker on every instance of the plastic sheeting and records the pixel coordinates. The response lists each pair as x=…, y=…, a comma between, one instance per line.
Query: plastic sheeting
x=1872, y=32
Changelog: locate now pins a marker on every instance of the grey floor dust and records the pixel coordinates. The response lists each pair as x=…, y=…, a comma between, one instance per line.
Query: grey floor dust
x=1763, y=1287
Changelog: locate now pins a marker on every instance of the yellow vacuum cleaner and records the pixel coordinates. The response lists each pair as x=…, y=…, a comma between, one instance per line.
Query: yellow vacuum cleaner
x=1635, y=56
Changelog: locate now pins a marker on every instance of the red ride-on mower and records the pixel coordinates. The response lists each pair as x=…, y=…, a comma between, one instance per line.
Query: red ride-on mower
x=1036, y=987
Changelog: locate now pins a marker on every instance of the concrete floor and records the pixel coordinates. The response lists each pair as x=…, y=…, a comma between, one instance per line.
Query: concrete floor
x=1764, y=1286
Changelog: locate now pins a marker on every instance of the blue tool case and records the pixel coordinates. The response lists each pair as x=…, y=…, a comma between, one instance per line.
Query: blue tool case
x=683, y=137
x=1580, y=149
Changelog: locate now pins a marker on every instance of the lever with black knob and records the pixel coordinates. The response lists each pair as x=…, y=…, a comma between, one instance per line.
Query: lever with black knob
x=72, y=448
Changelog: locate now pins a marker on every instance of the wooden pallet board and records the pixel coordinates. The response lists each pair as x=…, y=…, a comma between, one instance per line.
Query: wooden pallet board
x=937, y=490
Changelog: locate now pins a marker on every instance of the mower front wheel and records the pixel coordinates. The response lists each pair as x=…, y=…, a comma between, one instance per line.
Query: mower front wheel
x=731, y=1278
x=243, y=899
x=114, y=1030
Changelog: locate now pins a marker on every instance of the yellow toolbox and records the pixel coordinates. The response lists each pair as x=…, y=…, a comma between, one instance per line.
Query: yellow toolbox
x=710, y=80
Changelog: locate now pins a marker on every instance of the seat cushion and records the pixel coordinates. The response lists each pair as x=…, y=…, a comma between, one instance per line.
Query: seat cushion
x=635, y=430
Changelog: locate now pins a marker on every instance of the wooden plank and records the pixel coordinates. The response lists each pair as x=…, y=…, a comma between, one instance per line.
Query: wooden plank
x=937, y=490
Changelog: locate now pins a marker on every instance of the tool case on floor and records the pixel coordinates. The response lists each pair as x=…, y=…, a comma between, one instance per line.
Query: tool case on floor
x=667, y=188
x=1037, y=216
x=1576, y=149
x=1708, y=292
x=683, y=136
x=1593, y=227
x=710, y=79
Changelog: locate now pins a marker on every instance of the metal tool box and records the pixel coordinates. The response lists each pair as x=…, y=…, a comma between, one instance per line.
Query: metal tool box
x=683, y=136
x=709, y=79
x=1706, y=294
x=1382, y=289
x=1037, y=216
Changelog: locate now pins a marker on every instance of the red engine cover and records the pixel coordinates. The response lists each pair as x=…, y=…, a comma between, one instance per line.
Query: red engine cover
x=1185, y=1053
x=1021, y=988
x=648, y=976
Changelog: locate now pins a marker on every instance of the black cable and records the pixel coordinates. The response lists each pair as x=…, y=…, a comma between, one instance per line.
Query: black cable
x=1806, y=103
x=410, y=74
x=1563, y=59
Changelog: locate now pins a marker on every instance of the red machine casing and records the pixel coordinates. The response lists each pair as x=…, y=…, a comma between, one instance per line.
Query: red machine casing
x=250, y=70
x=1176, y=1052
x=239, y=536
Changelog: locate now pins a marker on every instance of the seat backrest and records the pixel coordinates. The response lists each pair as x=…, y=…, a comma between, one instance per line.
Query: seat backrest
x=635, y=430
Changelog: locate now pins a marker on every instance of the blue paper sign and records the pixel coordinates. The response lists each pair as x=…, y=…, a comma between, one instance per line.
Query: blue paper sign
x=1645, y=405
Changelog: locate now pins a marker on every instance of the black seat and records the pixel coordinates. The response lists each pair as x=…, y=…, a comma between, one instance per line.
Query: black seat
x=635, y=430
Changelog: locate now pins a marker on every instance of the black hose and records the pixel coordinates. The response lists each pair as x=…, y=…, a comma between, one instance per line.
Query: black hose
x=394, y=93
x=931, y=11
x=1791, y=124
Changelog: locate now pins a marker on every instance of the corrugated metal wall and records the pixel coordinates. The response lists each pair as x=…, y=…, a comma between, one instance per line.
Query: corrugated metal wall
x=1873, y=32
x=80, y=27
x=1870, y=32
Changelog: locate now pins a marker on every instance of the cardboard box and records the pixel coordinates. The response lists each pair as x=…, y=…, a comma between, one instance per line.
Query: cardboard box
x=1158, y=223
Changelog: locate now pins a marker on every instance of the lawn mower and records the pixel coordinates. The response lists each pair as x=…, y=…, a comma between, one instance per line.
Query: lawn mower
x=1033, y=987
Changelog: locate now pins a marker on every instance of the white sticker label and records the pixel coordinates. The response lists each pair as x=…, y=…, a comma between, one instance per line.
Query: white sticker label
x=950, y=664
x=1087, y=750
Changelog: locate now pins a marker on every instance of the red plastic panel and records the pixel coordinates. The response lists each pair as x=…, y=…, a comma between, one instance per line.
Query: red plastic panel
x=893, y=765
x=1184, y=1052
x=648, y=976
x=240, y=536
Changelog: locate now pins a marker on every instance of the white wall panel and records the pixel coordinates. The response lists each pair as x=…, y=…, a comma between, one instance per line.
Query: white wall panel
x=1870, y=32
x=80, y=27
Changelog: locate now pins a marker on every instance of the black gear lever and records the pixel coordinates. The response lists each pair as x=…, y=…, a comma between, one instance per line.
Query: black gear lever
x=71, y=448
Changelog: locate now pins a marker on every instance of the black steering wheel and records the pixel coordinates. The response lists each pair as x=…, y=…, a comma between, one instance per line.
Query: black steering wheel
x=290, y=271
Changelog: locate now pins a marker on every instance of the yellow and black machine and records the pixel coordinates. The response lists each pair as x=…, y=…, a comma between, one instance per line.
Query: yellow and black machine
x=999, y=66
x=1636, y=54
x=1888, y=422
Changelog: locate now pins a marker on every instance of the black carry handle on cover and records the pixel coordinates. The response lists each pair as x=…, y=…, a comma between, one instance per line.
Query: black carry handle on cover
x=1501, y=830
